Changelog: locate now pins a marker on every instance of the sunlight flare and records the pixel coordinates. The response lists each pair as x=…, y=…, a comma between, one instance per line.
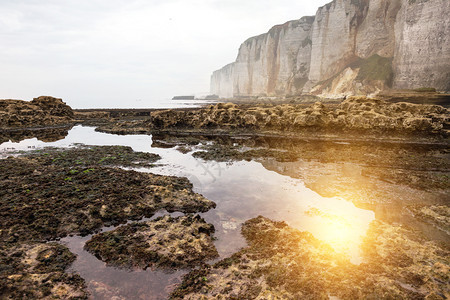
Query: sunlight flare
x=341, y=225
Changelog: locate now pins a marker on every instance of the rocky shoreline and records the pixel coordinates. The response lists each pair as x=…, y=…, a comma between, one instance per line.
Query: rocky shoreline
x=52, y=193
x=354, y=116
x=401, y=181
x=392, y=158
x=284, y=263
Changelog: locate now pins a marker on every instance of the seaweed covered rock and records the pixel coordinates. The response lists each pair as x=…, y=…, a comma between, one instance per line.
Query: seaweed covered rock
x=225, y=153
x=52, y=194
x=41, y=111
x=165, y=242
x=87, y=156
x=284, y=263
x=37, y=271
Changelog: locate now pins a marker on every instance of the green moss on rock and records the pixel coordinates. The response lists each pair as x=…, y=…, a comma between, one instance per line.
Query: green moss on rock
x=165, y=242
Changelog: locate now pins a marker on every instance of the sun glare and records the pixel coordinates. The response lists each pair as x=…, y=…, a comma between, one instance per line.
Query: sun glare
x=341, y=225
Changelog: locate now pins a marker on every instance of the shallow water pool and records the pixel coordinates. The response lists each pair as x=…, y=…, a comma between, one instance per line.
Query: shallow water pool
x=242, y=190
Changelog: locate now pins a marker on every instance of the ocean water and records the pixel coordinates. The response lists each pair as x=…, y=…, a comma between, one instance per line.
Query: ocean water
x=161, y=104
x=182, y=103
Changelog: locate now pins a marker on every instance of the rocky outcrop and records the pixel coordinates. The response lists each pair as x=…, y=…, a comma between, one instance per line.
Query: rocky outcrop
x=41, y=111
x=39, y=270
x=437, y=215
x=165, y=242
x=349, y=47
x=283, y=263
x=356, y=114
x=45, y=135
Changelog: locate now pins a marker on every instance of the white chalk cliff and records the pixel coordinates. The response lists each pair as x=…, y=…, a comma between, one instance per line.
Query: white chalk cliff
x=349, y=47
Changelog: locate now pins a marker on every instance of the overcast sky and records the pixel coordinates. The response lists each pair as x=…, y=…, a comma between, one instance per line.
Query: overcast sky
x=127, y=53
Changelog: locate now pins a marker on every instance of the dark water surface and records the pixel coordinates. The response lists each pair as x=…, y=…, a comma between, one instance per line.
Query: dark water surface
x=242, y=190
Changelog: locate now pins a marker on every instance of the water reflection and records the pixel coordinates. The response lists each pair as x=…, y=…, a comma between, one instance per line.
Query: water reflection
x=83, y=135
x=242, y=190
x=105, y=282
x=44, y=135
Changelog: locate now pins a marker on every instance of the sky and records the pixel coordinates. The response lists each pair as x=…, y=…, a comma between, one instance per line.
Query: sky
x=127, y=53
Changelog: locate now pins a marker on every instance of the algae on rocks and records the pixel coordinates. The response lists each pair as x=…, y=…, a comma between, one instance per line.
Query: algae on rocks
x=284, y=263
x=51, y=193
x=165, y=242
x=37, y=271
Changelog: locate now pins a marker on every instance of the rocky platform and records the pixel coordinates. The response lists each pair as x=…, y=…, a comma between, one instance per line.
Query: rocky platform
x=51, y=193
x=356, y=115
x=165, y=242
x=284, y=263
x=39, y=271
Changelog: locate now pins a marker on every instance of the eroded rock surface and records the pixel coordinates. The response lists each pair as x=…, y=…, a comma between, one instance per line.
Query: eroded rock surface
x=437, y=215
x=53, y=194
x=356, y=114
x=383, y=176
x=38, y=271
x=165, y=242
x=85, y=156
x=281, y=262
x=41, y=111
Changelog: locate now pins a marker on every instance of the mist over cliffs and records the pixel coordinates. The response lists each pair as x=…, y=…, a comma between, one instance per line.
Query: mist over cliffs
x=349, y=47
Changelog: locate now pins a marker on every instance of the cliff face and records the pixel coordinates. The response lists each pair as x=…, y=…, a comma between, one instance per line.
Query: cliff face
x=348, y=47
x=276, y=62
x=222, y=81
x=422, y=53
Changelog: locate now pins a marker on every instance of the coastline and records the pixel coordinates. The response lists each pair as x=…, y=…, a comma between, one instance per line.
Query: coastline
x=401, y=175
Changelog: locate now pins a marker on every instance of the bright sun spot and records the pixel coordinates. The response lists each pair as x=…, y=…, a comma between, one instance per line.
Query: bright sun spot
x=341, y=225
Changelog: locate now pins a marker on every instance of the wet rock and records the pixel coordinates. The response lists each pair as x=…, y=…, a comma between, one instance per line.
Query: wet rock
x=86, y=156
x=123, y=127
x=37, y=271
x=184, y=149
x=284, y=263
x=101, y=290
x=437, y=215
x=224, y=153
x=165, y=242
x=325, y=164
x=91, y=115
x=41, y=111
x=52, y=194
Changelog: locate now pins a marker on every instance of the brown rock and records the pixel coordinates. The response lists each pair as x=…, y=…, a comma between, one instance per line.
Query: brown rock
x=354, y=114
x=41, y=111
